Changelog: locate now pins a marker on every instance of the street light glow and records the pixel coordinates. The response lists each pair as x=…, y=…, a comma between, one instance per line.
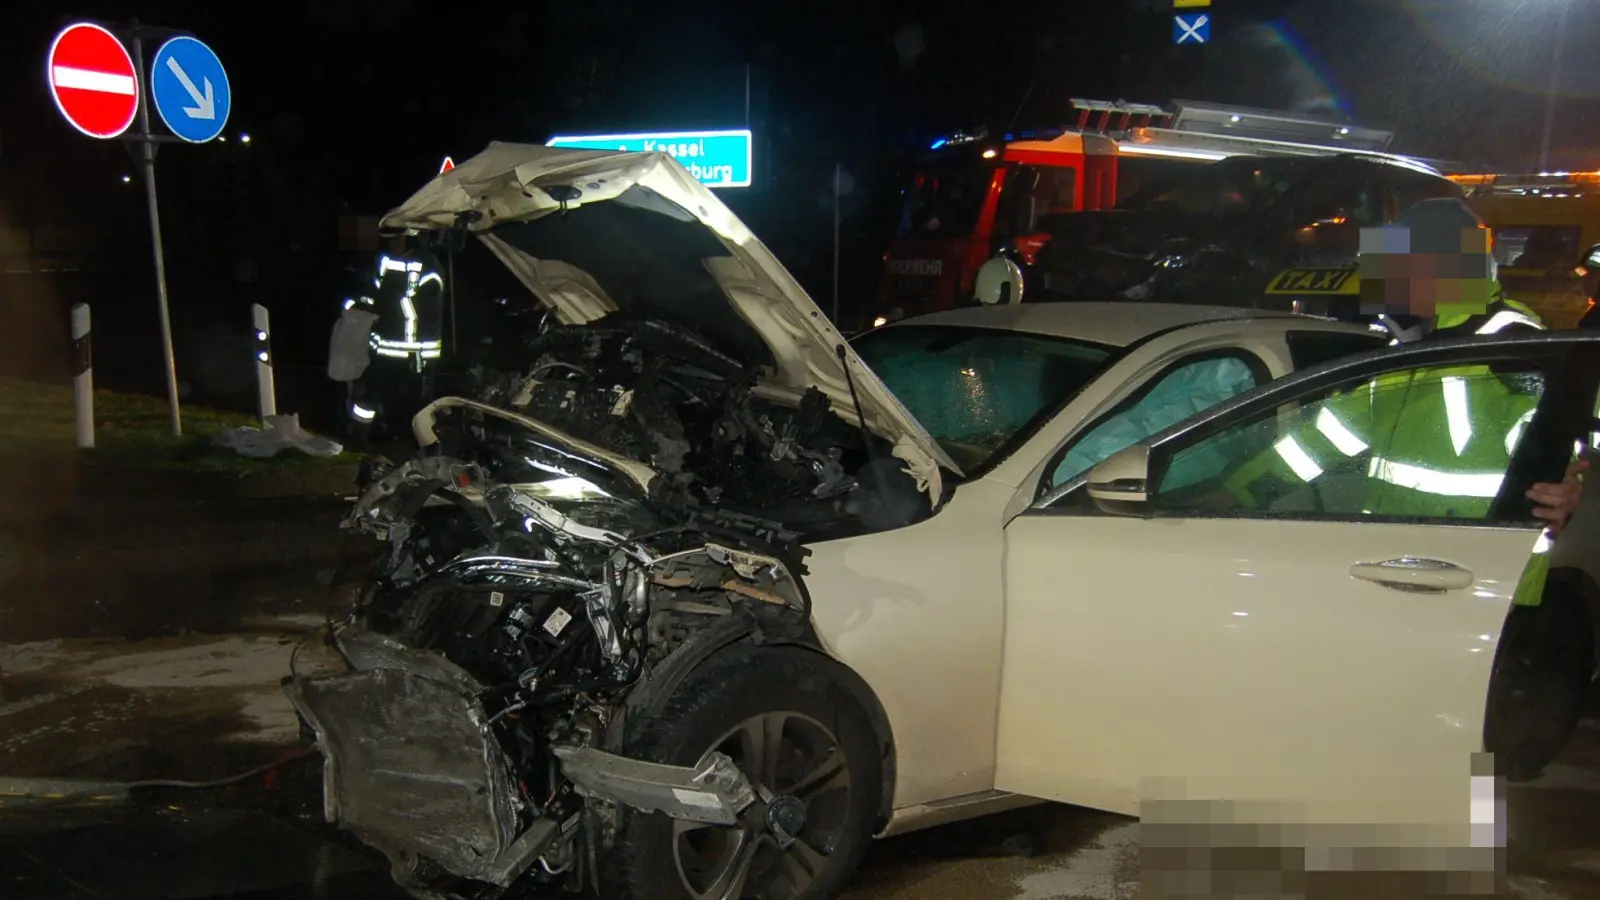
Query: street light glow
x=244, y=138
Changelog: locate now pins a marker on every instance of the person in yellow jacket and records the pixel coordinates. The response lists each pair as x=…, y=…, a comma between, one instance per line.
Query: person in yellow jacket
x=1431, y=443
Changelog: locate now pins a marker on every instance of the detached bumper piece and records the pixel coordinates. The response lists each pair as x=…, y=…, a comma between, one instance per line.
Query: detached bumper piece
x=715, y=792
x=411, y=767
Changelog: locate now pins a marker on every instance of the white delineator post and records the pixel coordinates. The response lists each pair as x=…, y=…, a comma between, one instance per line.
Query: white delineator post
x=82, y=377
x=265, y=391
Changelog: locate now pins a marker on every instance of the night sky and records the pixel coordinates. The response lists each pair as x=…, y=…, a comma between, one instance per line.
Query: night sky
x=351, y=105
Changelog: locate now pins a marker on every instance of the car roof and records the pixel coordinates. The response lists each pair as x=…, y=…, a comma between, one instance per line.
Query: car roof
x=1111, y=323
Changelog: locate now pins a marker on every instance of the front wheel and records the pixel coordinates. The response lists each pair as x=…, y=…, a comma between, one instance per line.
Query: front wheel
x=789, y=723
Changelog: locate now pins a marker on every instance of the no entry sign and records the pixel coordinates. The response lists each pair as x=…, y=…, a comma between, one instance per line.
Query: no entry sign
x=92, y=80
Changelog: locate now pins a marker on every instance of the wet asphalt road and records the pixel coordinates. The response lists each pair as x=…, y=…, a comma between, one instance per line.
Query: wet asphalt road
x=192, y=846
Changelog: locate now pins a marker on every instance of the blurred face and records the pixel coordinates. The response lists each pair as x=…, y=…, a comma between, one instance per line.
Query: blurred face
x=1447, y=274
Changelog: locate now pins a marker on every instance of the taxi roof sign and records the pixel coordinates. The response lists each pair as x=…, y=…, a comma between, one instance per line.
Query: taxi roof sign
x=1339, y=282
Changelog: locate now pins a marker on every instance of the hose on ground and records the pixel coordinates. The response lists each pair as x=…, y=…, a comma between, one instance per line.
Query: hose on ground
x=109, y=790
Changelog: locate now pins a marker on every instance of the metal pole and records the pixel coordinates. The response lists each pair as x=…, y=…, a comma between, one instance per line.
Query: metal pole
x=82, y=377
x=1555, y=85
x=147, y=155
x=837, y=174
x=266, y=389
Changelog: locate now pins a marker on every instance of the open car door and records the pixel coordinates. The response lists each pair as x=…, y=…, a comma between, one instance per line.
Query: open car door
x=1307, y=662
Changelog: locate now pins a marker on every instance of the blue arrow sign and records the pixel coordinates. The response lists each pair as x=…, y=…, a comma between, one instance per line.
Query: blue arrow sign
x=190, y=89
x=1191, y=28
x=719, y=159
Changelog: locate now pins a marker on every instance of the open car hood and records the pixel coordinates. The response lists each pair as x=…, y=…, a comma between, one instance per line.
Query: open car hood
x=667, y=248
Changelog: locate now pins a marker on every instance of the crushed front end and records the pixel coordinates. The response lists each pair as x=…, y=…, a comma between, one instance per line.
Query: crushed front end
x=528, y=583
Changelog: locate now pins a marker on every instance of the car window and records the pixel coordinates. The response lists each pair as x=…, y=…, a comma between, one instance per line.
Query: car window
x=1421, y=443
x=946, y=198
x=1411, y=188
x=980, y=392
x=1032, y=193
x=1537, y=246
x=1343, y=197
x=1186, y=389
x=1313, y=348
x=1236, y=185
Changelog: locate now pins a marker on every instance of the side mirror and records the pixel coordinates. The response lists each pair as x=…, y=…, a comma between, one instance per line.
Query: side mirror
x=1121, y=480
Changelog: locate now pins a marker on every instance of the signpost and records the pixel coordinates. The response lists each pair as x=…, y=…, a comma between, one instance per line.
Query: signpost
x=1191, y=28
x=190, y=89
x=96, y=84
x=450, y=270
x=92, y=80
x=719, y=159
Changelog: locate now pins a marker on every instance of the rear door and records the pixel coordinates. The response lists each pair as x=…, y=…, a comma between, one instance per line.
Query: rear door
x=1309, y=653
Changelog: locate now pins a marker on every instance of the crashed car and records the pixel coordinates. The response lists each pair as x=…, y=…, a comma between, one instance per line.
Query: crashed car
x=705, y=597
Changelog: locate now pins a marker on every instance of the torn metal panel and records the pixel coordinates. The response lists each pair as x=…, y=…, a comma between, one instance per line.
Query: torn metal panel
x=411, y=767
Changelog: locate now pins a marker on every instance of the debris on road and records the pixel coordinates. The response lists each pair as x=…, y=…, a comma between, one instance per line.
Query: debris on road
x=281, y=433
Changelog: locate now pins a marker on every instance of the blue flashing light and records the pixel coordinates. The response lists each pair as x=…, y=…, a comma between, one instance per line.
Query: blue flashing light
x=938, y=143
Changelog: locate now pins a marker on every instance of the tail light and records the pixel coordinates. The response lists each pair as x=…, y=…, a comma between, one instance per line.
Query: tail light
x=1029, y=245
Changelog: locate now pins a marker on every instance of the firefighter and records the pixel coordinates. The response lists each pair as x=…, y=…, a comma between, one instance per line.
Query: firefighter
x=401, y=322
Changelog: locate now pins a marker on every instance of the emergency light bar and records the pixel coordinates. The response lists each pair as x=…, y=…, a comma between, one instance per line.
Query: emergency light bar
x=959, y=138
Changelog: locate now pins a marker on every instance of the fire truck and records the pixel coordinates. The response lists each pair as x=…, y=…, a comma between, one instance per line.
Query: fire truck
x=973, y=192
x=1546, y=227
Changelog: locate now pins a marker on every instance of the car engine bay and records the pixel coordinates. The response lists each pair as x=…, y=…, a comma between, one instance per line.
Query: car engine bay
x=527, y=593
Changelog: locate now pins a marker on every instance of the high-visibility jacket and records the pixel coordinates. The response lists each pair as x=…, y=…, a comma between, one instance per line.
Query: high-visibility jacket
x=1432, y=443
x=1501, y=314
x=409, y=303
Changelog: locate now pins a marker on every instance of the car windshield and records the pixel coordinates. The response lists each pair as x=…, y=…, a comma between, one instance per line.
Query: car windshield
x=980, y=392
x=1239, y=184
x=945, y=198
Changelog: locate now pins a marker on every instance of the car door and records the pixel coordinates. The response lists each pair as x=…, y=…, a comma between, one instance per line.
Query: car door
x=1308, y=652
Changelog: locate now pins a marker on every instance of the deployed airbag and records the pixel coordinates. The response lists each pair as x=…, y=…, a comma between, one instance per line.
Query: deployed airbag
x=1189, y=390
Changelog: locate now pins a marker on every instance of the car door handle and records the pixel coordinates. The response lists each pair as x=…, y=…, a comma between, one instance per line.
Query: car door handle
x=1408, y=573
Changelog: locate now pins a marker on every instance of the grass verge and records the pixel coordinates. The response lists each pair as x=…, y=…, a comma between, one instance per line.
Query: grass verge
x=133, y=430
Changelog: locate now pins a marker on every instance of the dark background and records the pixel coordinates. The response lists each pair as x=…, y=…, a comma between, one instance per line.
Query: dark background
x=351, y=105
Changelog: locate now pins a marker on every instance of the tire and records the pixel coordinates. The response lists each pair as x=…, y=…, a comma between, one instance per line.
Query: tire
x=1542, y=675
x=796, y=694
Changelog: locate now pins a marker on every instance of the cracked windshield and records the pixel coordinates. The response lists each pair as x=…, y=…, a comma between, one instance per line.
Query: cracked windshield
x=799, y=451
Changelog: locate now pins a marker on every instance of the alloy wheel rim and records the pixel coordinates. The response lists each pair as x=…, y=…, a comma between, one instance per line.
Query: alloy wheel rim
x=790, y=759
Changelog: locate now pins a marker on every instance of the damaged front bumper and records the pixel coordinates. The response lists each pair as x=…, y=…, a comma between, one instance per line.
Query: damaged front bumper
x=413, y=768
